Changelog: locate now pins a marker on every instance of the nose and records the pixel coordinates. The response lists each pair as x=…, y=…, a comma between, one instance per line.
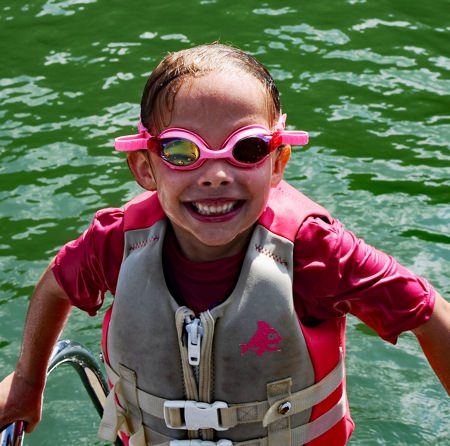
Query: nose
x=215, y=173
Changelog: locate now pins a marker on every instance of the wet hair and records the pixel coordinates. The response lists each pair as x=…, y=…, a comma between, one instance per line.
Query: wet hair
x=166, y=79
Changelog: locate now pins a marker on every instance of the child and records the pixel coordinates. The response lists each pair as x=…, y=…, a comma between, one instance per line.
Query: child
x=231, y=288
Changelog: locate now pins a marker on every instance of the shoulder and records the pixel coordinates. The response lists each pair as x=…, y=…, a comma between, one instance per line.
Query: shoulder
x=327, y=240
x=108, y=217
x=319, y=239
x=142, y=211
x=287, y=209
x=106, y=223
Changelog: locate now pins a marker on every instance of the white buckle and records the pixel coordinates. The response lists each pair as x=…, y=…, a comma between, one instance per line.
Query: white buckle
x=200, y=443
x=197, y=415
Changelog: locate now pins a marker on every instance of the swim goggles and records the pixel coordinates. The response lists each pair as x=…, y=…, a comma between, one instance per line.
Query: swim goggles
x=183, y=149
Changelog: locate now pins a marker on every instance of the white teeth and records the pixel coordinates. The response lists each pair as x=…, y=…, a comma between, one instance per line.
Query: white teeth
x=218, y=209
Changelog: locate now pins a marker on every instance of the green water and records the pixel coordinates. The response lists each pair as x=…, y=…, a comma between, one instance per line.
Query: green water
x=368, y=79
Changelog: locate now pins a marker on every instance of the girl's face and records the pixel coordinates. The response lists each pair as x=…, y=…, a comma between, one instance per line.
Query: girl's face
x=214, y=208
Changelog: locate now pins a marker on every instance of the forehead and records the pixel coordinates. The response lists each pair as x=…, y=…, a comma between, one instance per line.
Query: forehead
x=235, y=97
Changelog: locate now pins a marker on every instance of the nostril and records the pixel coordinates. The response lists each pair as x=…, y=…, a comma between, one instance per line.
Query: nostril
x=214, y=183
x=215, y=173
x=211, y=183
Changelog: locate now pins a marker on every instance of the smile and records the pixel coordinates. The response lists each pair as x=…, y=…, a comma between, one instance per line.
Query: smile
x=214, y=209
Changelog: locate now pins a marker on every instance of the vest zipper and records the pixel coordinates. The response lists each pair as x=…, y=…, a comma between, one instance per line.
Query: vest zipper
x=194, y=331
x=205, y=365
x=183, y=316
x=195, y=335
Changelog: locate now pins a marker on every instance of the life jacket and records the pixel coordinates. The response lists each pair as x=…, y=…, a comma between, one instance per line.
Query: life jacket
x=245, y=372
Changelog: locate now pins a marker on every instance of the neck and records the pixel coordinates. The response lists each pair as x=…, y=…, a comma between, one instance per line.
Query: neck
x=196, y=251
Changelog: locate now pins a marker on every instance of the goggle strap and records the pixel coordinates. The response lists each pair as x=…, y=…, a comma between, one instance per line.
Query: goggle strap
x=294, y=137
x=131, y=143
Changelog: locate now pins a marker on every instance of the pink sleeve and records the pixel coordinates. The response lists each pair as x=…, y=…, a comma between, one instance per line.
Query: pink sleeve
x=337, y=273
x=89, y=266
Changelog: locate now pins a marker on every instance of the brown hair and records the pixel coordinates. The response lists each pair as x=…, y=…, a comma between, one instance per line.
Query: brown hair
x=165, y=80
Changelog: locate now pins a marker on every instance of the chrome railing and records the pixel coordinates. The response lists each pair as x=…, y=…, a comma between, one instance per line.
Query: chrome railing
x=12, y=435
x=92, y=377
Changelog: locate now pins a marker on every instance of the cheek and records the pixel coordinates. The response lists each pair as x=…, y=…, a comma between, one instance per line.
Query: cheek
x=259, y=184
x=166, y=178
x=260, y=177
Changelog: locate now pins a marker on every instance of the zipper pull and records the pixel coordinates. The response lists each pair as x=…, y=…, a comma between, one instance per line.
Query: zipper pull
x=194, y=330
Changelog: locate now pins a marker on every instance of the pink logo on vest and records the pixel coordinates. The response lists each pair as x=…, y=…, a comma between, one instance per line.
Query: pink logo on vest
x=266, y=339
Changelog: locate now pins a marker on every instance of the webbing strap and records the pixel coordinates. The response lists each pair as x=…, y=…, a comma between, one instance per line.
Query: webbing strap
x=299, y=435
x=243, y=413
x=307, y=432
x=300, y=401
x=279, y=432
x=114, y=419
x=151, y=404
x=307, y=398
x=249, y=412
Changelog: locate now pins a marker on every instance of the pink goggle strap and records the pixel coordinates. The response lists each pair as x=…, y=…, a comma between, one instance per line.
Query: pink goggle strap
x=294, y=137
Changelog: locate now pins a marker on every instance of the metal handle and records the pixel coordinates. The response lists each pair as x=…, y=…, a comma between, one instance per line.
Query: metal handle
x=12, y=434
x=90, y=373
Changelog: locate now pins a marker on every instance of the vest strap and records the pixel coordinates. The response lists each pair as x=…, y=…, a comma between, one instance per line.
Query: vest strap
x=151, y=404
x=253, y=412
x=308, y=432
x=306, y=398
x=279, y=432
x=298, y=436
x=114, y=415
x=297, y=402
x=113, y=418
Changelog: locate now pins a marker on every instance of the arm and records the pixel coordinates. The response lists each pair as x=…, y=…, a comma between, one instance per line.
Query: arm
x=21, y=392
x=434, y=338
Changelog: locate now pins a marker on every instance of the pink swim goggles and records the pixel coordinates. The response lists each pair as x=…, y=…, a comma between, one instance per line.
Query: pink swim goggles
x=185, y=150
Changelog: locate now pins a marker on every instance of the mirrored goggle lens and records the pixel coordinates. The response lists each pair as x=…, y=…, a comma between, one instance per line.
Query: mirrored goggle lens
x=179, y=152
x=251, y=150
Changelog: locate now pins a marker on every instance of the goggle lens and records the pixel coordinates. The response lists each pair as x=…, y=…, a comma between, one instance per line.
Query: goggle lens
x=251, y=150
x=179, y=152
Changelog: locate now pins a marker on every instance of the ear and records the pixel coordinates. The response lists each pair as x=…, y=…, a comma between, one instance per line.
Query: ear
x=282, y=155
x=141, y=168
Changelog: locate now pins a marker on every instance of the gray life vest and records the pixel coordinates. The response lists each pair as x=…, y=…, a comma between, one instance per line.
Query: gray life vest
x=238, y=374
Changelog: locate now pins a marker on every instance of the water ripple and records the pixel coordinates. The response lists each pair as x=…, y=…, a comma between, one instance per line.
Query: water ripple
x=375, y=23
x=274, y=12
x=65, y=7
x=329, y=36
x=386, y=81
x=62, y=58
x=366, y=54
x=24, y=89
